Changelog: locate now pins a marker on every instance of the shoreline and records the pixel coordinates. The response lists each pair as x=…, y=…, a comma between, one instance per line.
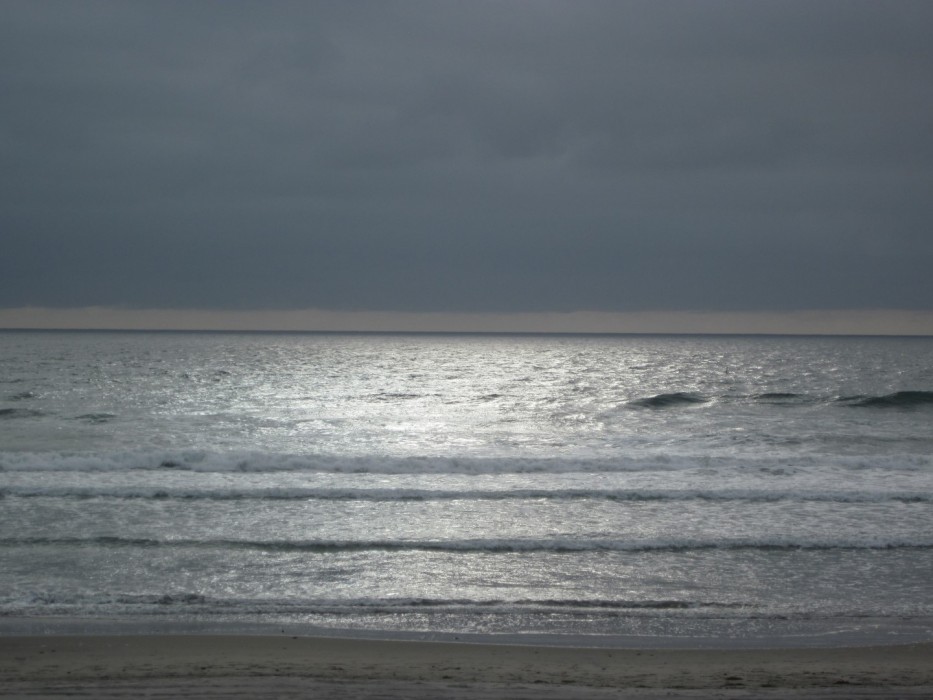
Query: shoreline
x=800, y=634
x=225, y=665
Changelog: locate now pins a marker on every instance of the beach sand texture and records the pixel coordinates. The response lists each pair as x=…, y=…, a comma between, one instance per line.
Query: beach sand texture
x=267, y=666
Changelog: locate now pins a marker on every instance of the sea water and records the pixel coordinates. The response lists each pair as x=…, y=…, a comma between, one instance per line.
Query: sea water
x=667, y=490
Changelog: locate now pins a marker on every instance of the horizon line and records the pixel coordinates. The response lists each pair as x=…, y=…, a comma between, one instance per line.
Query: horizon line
x=829, y=322
x=280, y=331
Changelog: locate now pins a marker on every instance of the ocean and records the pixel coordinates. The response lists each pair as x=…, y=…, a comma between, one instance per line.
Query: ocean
x=649, y=490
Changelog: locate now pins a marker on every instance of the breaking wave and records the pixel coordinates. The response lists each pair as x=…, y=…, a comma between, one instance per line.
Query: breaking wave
x=404, y=494
x=207, y=461
x=355, y=606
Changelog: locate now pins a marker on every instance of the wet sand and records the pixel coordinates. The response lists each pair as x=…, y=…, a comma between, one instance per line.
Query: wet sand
x=268, y=666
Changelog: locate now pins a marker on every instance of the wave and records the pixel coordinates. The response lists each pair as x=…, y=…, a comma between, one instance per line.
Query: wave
x=95, y=417
x=13, y=413
x=261, y=462
x=672, y=400
x=480, y=545
x=344, y=494
x=205, y=461
x=786, y=398
x=397, y=396
x=357, y=606
x=899, y=399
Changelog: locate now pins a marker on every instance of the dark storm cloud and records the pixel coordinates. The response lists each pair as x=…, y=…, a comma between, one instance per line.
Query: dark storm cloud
x=467, y=156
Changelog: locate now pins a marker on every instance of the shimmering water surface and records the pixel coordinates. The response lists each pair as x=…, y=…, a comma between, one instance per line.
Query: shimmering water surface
x=662, y=488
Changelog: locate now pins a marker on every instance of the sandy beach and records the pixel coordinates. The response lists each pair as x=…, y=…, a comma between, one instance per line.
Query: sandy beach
x=267, y=666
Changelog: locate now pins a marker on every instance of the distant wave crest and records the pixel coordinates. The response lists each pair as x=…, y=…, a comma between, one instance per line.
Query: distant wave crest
x=679, y=398
x=14, y=413
x=899, y=399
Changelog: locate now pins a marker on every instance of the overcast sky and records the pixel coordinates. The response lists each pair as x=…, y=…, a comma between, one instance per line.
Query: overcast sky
x=470, y=156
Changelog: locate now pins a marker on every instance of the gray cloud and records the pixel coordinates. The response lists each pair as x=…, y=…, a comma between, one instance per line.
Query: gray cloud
x=500, y=156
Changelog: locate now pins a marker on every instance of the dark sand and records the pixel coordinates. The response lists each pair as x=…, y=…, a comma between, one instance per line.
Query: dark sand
x=290, y=667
